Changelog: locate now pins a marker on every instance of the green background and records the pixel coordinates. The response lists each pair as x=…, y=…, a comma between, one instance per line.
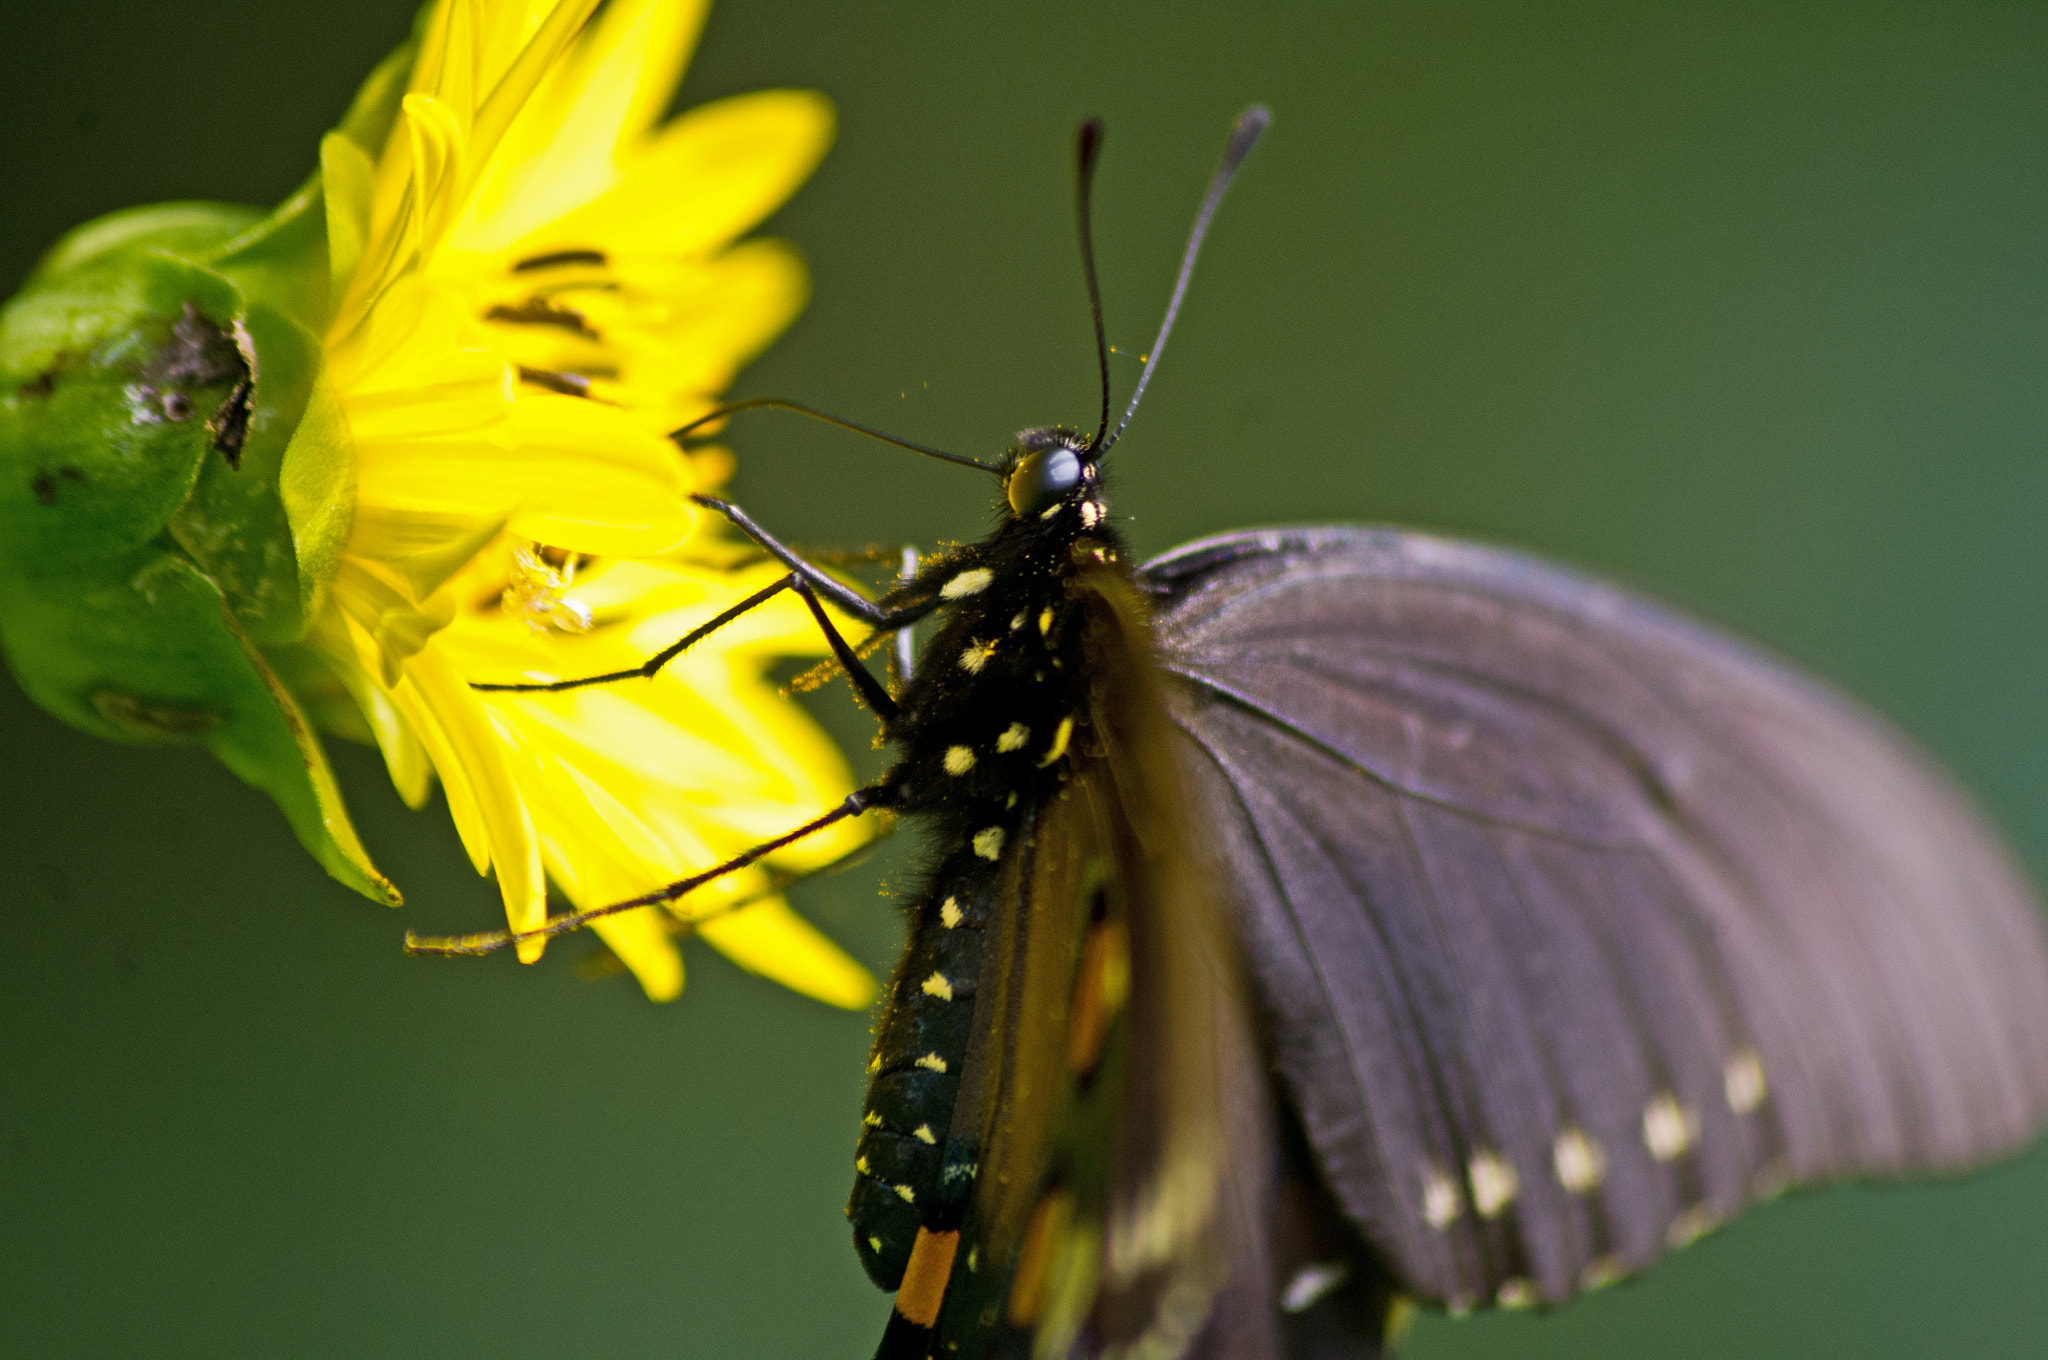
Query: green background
x=1748, y=304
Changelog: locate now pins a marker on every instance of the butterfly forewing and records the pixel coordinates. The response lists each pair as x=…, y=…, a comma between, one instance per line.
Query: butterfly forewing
x=1577, y=925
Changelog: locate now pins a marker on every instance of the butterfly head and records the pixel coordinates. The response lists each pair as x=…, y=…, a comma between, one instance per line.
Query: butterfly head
x=1049, y=469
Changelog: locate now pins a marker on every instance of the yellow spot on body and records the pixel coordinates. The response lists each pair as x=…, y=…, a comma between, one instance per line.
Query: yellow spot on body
x=949, y=912
x=1056, y=508
x=1516, y=1293
x=1060, y=737
x=1091, y=514
x=1581, y=1164
x=860, y=1164
x=871, y=1120
x=875, y=1245
x=1669, y=1129
x=936, y=985
x=1045, y=621
x=923, y=1134
x=959, y=760
x=1441, y=1202
x=932, y=1062
x=1743, y=1078
x=1690, y=1226
x=976, y=656
x=905, y=1193
x=988, y=842
x=1013, y=738
x=1017, y=622
x=1602, y=1272
x=874, y=1064
x=966, y=583
x=1011, y=801
x=1494, y=1182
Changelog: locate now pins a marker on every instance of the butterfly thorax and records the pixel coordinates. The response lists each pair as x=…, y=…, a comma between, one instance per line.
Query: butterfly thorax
x=985, y=731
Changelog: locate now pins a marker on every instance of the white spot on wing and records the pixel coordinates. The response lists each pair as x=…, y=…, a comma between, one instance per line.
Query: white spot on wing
x=1441, y=1202
x=905, y=1193
x=1494, y=1182
x=1602, y=1272
x=1516, y=1293
x=988, y=842
x=967, y=583
x=1311, y=1282
x=1690, y=1226
x=1669, y=1129
x=959, y=760
x=1580, y=1163
x=1742, y=1076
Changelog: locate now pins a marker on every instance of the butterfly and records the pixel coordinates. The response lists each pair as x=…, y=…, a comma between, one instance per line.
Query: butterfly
x=1317, y=917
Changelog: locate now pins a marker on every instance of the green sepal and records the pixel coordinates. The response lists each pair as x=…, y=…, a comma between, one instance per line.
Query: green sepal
x=111, y=376
x=145, y=649
x=270, y=531
x=185, y=230
x=282, y=260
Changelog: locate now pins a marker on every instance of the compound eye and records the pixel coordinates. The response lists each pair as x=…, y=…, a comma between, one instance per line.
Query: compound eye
x=1041, y=478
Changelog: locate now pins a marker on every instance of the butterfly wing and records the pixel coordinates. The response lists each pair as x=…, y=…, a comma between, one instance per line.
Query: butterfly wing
x=1577, y=925
x=1112, y=1087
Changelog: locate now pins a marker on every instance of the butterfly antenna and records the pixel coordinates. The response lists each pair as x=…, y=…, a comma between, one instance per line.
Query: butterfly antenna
x=778, y=404
x=1243, y=137
x=1087, y=150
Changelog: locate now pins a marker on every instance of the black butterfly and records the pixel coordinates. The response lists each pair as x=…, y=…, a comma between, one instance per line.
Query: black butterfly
x=1319, y=916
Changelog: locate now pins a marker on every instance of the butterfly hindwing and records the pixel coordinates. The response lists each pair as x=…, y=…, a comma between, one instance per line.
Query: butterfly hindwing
x=1577, y=925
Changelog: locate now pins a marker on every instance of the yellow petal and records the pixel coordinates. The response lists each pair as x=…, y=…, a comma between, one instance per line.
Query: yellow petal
x=562, y=149
x=710, y=175
x=476, y=747
x=770, y=939
x=644, y=945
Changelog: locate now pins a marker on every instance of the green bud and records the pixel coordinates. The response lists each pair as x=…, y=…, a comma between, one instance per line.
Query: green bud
x=176, y=487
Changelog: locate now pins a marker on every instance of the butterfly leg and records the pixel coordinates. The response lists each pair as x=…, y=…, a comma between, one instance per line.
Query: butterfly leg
x=873, y=797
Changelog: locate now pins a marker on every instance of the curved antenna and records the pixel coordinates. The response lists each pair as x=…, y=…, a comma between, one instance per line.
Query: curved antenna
x=1243, y=137
x=1087, y=149
x=778, y=404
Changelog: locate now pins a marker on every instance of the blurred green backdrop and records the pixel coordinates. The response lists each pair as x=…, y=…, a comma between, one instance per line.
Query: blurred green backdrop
x=1746, y=303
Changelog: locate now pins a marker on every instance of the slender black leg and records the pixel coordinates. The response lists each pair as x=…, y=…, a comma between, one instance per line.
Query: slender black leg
x=872, y=692
x=653, y=663
x=857, y=802
x=848, y=600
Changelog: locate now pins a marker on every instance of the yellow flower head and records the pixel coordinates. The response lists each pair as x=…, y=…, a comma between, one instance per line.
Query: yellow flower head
x=519, y=281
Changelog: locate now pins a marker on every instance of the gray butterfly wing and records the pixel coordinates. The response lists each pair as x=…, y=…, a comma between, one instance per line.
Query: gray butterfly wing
x=1576, y=925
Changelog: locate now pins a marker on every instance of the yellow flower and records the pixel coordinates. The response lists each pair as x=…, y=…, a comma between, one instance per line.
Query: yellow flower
x=539, y=283
x=330, y=466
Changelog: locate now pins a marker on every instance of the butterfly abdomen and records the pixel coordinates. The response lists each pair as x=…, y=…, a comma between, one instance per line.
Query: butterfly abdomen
x=983, y=732
x=908, y=1172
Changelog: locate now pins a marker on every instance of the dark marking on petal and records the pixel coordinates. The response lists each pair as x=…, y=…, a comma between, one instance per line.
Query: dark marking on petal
x=568, y=384
x=540, y=312
x=560, y=259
